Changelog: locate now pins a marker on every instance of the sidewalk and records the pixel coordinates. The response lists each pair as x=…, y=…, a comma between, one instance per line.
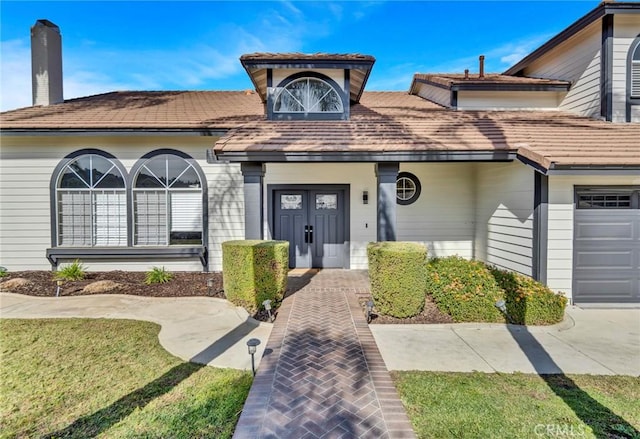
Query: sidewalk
x=588, y=341
x=204, y=330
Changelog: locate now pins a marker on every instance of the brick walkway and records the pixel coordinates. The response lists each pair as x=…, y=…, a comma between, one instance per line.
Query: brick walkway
x=322, y=375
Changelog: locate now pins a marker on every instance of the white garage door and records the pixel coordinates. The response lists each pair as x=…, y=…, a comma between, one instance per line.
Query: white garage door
x=606, y=256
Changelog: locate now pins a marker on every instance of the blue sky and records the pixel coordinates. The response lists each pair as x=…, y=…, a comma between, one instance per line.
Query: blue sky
x=164, y=45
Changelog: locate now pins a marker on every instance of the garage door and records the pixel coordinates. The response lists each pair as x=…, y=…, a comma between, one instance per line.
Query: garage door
x=606, y=256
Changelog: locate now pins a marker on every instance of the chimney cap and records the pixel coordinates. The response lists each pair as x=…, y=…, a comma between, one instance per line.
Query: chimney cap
x=47, y=23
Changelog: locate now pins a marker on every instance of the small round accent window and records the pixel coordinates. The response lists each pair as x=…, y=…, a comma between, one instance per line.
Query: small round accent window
x=407, y=188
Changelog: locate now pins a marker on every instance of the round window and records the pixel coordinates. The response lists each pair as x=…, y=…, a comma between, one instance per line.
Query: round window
x=407, y=188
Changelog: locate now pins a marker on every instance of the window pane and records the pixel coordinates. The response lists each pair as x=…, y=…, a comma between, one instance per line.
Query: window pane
x=326, y=201
x=101, y=167
x=636, y=53
x=154, y=169
x=291, y=202
x=189, y=178
x=74, y=218
x=186, y=211
x=309, y=95
x=71, y=180
x=110, y=218
x=150, y=217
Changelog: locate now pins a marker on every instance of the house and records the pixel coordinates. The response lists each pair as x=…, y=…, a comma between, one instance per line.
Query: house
x=536, y=170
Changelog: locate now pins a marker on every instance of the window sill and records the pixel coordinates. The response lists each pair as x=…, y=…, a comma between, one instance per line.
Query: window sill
x=56, y=253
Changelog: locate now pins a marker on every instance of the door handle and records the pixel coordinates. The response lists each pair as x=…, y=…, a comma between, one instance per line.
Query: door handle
x=310, y=234
x=306, y=234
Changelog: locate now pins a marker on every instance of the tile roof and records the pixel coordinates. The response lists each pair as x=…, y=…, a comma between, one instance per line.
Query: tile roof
x=265, y=56
x=141, y=110
x=383, y=121
x=449, y=79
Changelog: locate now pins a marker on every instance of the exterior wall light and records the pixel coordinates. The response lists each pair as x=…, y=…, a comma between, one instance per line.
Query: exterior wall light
x=252, y=345
x=365, y=197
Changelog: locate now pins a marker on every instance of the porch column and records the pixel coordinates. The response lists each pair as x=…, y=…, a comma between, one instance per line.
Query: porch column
x=253, y=173
x=540, y=227
x=387, y=174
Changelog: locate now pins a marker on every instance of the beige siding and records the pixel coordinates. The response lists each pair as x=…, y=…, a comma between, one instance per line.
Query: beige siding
x=443, y=215
x=522, y=100
x=626, y=29
x=504, y=215
x=435, y=94
x=359, y=176
x=577, y=60
x=26, y=167
x=560, y=236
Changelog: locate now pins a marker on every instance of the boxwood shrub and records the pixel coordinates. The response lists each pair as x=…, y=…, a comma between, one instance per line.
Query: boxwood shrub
x=254, y=271
x=464, y=289
x=529, y=302
x=397, y=272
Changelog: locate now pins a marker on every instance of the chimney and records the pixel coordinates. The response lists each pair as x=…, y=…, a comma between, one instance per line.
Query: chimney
x=481, y=74
x=466, y=73
x=46, y=63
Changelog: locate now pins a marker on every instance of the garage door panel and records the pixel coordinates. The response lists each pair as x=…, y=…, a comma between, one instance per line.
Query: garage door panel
x=606, y=253
x=606, y=260
x=613, y=290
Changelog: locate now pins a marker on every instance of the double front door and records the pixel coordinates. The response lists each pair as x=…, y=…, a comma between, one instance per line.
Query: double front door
x=313, y=221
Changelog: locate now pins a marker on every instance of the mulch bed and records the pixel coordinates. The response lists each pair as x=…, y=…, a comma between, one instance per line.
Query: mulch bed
x=183, y=284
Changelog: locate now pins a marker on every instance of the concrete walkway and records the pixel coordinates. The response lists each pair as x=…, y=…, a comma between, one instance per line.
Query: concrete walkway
x=588, y=341
x=204, y=330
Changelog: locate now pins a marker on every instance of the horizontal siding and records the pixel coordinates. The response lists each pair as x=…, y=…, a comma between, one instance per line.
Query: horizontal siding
x=26, y=167
x=442, y=217
x=435, y=94
x=626, y=29
x=504, y=215
x=576, y=60
x=524, y=100
x=560, y=226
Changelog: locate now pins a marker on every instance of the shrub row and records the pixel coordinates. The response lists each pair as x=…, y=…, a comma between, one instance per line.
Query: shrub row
x=467, y=290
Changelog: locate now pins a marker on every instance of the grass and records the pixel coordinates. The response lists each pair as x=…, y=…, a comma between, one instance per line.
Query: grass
x=478, y=405
x=78, y=378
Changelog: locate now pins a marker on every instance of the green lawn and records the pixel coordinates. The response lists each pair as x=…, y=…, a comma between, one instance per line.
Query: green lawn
x=79, y=378
x=478, y=405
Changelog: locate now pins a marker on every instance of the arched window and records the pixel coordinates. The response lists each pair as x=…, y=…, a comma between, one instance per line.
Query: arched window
x=91, y=202
x=635, y=70
x=167, y=202
x=308, y=95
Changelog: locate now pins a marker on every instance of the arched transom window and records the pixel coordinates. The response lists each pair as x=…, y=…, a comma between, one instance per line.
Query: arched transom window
x=308, y=95
x=91, y=203
x=167, y=199
x=635, y=72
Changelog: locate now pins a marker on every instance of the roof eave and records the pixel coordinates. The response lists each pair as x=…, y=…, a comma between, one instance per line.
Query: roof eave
x=597, y=13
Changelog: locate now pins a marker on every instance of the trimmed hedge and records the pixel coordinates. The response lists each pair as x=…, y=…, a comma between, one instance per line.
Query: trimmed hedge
x=464, y=289
x=397, y=272
x=529, y=302
x=254, y=271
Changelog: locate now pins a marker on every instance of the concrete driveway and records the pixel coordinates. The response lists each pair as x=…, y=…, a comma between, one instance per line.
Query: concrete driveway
x=590, y=341
x=205, y=330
